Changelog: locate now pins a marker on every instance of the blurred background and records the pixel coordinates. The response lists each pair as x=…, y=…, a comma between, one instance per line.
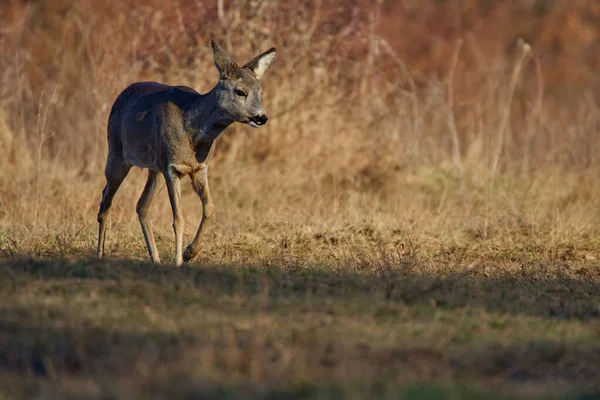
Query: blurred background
x=412, y=114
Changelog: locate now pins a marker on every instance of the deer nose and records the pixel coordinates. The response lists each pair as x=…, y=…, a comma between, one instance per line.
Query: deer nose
x=260, y=119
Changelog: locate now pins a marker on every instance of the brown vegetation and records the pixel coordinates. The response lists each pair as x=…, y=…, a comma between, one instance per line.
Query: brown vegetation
x=426, y=130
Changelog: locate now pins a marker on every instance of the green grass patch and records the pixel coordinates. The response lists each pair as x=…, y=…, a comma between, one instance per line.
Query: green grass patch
x=135, y=330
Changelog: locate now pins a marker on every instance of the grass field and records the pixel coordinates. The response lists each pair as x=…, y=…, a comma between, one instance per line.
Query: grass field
x=419, y=219
x=280, y=309
x=384, y=326
x=279, y=328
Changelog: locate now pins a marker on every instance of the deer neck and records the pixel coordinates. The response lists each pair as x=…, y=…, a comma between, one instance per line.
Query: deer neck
x=206, y=119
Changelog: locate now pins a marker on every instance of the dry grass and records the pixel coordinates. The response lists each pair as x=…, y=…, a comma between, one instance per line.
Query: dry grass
x=389, y=226
x=123, y=330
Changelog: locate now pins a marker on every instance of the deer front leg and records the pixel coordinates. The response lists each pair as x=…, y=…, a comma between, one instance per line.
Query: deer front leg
x=174, y=188
x=200, y=185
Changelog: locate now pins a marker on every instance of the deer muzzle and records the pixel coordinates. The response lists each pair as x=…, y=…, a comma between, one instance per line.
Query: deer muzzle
x=258, y=120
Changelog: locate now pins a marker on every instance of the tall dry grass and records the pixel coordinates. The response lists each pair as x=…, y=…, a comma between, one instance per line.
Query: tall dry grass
x=360, y=148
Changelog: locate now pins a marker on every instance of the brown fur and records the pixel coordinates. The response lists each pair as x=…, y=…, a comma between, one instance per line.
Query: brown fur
x=171, y=131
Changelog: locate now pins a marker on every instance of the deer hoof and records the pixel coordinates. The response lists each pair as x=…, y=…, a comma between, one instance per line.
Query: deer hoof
x=188, y=254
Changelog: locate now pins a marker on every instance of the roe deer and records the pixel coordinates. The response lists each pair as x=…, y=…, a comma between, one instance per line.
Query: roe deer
x=171, y=130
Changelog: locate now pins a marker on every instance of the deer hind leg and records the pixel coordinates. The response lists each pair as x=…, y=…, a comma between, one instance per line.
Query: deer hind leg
x=116, y=170
x=200, y=185
x=153, y=186
x=174, y=188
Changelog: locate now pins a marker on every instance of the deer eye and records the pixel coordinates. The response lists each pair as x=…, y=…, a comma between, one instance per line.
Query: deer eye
x=240, y=92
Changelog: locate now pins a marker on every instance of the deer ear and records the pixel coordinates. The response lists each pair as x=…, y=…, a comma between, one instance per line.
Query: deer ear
x=259, y=64
x=223, y=62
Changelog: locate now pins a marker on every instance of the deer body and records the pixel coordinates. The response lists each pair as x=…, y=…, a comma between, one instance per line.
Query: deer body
x=171, y=131
x=160, y=125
